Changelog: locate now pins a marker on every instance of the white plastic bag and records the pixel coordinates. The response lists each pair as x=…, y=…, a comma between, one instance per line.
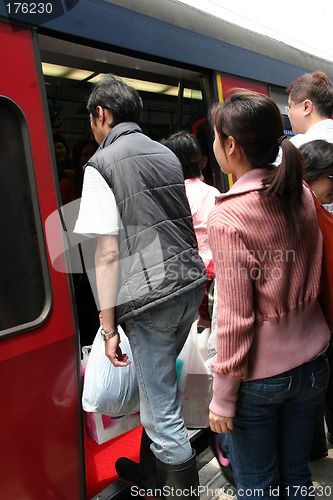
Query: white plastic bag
x=212, y=340
x=195, y=383
x=108, y=389
x=203, y=338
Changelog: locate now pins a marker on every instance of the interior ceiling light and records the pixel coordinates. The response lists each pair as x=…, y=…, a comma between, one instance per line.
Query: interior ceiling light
x=188, y=93
x=65, y=72
x=159, y=88
x=140, y=85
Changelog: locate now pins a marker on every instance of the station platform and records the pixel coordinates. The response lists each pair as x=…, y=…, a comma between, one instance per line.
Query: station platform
x=322, y=475
x=214, y=486
x=217, y=488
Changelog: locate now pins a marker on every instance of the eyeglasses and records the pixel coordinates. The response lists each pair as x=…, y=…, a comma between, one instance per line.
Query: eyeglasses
x=288, y=108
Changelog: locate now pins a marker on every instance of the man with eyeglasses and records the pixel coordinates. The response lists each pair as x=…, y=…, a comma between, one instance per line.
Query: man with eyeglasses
x=310, y=108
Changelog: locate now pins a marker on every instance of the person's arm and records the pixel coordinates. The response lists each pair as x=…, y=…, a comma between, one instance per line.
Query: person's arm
x=233, y=267
x=98, y=216
x=107, y=268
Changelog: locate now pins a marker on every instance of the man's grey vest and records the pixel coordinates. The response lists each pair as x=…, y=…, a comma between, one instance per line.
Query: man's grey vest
x=159, y=257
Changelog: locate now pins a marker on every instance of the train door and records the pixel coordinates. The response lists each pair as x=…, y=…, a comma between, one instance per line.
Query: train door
x=41, y=443
x=172, y=100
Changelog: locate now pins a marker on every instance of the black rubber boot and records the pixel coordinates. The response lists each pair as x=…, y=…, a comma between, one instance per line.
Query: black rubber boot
x=141, y=474
x=179, y=481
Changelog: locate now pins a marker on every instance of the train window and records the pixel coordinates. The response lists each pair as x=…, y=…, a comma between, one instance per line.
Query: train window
x=280, y=96
x=23, y=290
x=172, y=96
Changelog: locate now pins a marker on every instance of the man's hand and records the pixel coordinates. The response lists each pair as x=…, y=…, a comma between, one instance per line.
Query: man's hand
x=220, y=424
x=114, y=353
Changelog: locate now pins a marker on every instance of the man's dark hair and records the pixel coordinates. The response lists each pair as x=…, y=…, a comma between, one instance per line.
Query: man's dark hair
x=120, y=99
x=318, y=157
x=314, y=86
x=187, y=149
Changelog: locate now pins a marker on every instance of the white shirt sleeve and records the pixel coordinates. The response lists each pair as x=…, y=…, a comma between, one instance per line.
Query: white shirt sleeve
x=98, y=212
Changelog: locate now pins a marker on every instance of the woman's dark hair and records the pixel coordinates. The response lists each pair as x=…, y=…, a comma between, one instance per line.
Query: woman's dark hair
x=120, y=99
x=187, y=149
x=77, y=150
x=76, y=159
x=255, y=122
x=318, y=157
x=57, y=138
x=62, y=140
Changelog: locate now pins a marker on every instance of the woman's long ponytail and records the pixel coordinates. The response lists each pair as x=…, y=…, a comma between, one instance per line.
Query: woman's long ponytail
x=286, y=181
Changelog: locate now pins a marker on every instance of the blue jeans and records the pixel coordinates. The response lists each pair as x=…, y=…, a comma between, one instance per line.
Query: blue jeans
x=156, y=338
x=269, y=447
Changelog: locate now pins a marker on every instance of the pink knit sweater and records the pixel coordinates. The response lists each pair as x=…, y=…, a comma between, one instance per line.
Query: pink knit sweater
x=269, y=319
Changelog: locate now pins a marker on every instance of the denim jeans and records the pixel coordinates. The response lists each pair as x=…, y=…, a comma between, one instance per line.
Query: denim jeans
x=269, y=447
x=319, y=443
x=156, y=338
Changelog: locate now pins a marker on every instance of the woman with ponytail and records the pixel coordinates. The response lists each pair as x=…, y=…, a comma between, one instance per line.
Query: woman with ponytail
x=270, y=370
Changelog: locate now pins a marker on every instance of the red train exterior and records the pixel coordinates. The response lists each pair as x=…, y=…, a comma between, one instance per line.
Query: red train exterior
x=41, y=426
x=41, y=429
